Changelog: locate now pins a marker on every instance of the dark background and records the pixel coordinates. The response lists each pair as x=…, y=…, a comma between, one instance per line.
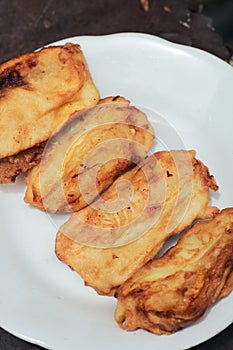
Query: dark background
x=221, y=11
x=27, y=25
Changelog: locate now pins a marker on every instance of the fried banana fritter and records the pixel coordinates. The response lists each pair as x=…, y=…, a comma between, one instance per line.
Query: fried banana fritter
x=175, y=290
x=38, y=92
x=86, y=156
x=145, y=206
x=12, y=166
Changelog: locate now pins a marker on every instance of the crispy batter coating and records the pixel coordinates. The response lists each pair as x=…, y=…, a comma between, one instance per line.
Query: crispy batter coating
x=145, y=206
x=86, y=156
x=38, y=92
x=116, y=98
x=175, y=290
x=12, y=166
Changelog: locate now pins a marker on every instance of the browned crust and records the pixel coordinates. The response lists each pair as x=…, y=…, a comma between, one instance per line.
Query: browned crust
x=172, y=292
x=99, y=267
x=208, y=178
x=13, y=71
x=71, y=198
x=33, y=88
x=116, y=98
x=12, y=166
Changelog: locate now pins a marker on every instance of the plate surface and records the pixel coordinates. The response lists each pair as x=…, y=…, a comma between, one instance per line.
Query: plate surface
x=187, y=95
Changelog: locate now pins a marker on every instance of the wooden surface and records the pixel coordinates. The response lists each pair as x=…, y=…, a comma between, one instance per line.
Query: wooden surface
x=27, y=25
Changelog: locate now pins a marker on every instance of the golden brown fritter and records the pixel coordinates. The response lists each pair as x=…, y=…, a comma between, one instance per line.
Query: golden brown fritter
x=86, y=156
x=175, y=290
x=38, y=92
x=12, y=166
x=107, y=242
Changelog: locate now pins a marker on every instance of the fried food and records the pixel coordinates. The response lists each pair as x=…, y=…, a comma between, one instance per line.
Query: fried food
x=86, y=156
x=116, y=98
x=12, y=166
x=107, y=242
x=175, y=290
x=38, y=92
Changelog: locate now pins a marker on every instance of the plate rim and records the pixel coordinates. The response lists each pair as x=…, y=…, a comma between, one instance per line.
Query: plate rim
x=145, y=36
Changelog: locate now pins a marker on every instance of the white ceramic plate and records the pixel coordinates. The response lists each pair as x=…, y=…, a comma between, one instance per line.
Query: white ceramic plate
x=188, y=96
